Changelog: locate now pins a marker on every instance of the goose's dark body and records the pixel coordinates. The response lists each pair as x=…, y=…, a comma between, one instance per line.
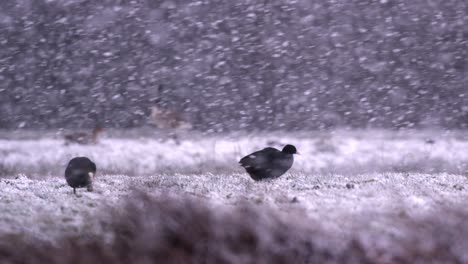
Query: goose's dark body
x=269, y=162
x=80, y=172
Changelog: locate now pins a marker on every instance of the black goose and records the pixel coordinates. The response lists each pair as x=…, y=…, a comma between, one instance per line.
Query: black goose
x=269, y=162
x=80, y=173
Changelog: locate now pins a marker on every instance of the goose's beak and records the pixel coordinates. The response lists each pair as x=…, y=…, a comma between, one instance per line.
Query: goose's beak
x=298, y=153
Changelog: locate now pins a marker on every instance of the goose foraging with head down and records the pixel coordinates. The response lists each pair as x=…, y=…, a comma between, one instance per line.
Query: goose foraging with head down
x=80, y=173
x=269, y=162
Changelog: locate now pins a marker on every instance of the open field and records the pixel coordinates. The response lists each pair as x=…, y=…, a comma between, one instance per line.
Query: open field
x=144, y=153
x=351, y=197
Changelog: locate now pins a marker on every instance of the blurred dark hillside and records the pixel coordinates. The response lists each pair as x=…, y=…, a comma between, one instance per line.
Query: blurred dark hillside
x=230, y=65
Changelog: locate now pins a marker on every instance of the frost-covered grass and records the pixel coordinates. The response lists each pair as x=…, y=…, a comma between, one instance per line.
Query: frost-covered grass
x=340, y=152
x=370, y=218
x=351, y=197
x=31, y=206
x=171, y=228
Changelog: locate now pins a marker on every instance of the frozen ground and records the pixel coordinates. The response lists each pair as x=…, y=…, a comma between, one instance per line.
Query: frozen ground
x=342, y=152
x=47, y=207
x=362, y=185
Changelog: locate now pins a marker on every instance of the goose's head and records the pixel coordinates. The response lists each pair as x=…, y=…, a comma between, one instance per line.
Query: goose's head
x=290, y=149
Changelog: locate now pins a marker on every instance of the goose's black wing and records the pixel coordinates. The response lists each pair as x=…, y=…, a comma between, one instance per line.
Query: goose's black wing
x=260, y=163
x=259, y=159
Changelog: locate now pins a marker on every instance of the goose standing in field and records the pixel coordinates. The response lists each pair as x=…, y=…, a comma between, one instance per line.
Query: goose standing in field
x=84, y=138
x=80, y=173
x=269, y=162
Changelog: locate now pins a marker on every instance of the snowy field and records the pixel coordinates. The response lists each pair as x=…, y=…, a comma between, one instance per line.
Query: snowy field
x=382, y=190
x=140, y=153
